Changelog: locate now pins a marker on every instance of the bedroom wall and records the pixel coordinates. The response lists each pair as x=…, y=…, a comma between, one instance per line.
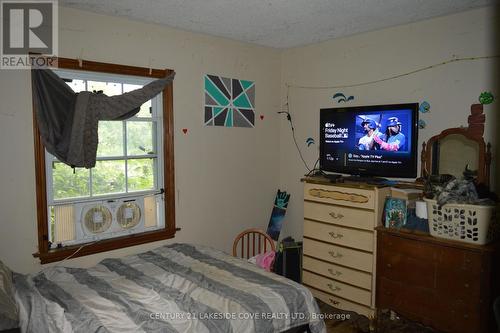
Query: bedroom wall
x=226, y=178
x=449, y=89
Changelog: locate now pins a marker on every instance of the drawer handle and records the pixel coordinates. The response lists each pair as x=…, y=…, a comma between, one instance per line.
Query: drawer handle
x=334, y=273
x=332, y=288
x=336, y=215
x=334, y=235
x=389, y=266
x=334, y=302
x=335, y=255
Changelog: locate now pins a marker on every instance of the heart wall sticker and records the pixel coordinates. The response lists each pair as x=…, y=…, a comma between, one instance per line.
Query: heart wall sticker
x=185, y=130
x=261, y=117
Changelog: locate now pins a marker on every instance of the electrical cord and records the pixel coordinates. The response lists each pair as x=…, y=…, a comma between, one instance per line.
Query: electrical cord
x=289, y=118
x=315, y=170
x=68, y=257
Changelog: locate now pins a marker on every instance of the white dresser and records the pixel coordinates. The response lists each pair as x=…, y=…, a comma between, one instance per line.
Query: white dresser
x=340, y=242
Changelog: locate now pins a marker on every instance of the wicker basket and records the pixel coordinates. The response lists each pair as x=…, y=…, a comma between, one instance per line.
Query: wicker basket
x=474, y=224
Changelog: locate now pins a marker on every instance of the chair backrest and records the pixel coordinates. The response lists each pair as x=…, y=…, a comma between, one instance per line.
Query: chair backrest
x=252, y=242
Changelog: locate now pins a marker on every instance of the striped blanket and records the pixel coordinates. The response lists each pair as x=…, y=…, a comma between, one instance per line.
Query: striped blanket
x=175, y=288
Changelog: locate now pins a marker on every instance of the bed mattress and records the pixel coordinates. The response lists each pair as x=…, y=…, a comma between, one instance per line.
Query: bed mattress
x=175, y=288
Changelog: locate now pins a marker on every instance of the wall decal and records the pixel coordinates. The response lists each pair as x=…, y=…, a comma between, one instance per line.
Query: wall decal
x=421, y=124
x=342, y=98
x=261, y=117
x=486, y=98
x=424, y=107
x=229, y=102
x=185, y=130
x=309, y=141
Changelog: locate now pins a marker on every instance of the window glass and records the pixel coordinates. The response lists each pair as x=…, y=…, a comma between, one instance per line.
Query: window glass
x=68, y=183
x=110, y=138
x=108, y=177
x=140, y=174
x=140, y=138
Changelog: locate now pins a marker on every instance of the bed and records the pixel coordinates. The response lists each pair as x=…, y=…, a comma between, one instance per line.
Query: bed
x=175, y=288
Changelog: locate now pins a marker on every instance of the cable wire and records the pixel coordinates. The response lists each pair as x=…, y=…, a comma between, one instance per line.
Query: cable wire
x=50, y=268
x=449, y=61
x=289, y=118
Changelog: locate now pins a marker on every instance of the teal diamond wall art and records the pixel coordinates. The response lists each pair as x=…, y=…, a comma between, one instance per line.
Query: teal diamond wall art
x=229, y=102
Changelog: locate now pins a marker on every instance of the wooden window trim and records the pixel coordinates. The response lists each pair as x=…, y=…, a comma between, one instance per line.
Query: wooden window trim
x=47, y=255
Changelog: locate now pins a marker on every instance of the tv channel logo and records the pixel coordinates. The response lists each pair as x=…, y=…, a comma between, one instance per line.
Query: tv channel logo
x=29, y=33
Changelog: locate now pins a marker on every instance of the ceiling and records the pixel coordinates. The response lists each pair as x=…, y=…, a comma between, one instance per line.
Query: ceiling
x=278, y=23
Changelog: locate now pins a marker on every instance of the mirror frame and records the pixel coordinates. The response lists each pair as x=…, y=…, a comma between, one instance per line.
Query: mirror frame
x=474, y=133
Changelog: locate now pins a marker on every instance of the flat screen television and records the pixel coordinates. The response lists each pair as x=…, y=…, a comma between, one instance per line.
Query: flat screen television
x=375, y=140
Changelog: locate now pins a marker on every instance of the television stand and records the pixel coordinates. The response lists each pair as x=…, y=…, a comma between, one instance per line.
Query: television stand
x=331, y=210
x=365, y=179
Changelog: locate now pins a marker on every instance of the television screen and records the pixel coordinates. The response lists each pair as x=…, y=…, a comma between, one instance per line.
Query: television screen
x=377, y=140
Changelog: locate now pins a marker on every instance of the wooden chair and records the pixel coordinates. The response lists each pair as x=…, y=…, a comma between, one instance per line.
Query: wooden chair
x=252, y=242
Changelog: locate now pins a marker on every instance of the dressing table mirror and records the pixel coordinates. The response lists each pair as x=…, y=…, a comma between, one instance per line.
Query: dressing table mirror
x=456, y=150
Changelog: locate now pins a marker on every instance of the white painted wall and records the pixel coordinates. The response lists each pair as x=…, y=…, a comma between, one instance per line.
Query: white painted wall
x=449, y=89
x=226, y=178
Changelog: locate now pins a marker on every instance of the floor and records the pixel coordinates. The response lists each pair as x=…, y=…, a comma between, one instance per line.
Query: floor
x=350, y=322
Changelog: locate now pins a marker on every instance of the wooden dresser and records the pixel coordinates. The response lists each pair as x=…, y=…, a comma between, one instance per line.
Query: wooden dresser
x=443, y=284
x=340, y=242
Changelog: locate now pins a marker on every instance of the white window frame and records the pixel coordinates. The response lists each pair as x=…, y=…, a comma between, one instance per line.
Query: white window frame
x=158, y=166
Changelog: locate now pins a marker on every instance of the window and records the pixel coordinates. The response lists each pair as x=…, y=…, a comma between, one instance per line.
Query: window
x=127, y=198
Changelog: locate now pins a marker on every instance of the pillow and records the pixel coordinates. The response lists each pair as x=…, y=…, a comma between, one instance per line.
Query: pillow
x=8, y=308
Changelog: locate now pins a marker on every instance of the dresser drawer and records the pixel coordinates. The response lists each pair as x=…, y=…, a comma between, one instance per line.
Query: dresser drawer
x=344, y=196
x=340, y=215
x=461, y=259
x=357, y=239
x=337, y=288
x=417, y=303
x=428, y=306
x=339, y=255
x=464, y=317
x=462, y=284
x=399, y=267
x=357, y=278
x=407, y=247
x=341, y=303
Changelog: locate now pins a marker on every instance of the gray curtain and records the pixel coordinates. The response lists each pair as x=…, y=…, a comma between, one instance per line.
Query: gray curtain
x=68, y=121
